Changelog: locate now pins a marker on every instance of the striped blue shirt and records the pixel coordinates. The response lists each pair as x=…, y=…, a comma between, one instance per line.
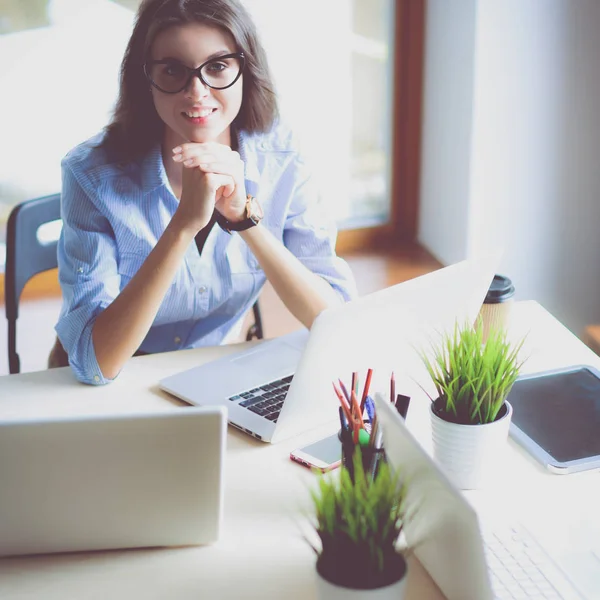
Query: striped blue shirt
x=113, y=215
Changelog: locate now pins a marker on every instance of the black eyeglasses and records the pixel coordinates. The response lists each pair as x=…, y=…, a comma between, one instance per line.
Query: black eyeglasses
x=171, y=77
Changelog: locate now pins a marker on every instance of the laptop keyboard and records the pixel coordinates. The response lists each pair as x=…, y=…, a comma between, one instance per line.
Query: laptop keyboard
x=265, y=400
x=519, y=567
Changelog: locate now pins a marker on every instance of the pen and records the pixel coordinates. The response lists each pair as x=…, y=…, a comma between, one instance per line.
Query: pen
x=370, y=409
x=392, y=388
x=402, y=404
x=343, y=420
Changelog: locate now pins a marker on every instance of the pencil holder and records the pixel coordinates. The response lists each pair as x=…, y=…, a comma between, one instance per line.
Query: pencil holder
x=371, y=456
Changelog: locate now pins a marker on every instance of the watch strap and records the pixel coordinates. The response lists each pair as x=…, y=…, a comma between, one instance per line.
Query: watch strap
x=253, y=217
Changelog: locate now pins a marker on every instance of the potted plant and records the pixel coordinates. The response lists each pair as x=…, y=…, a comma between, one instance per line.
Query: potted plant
x=470, y=415
x=359, y=522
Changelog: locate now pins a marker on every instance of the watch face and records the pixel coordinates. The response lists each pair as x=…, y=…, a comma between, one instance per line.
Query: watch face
x=255, y=211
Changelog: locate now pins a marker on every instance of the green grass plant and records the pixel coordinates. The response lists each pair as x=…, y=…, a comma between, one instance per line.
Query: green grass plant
x=472, y=378
x=359, y=524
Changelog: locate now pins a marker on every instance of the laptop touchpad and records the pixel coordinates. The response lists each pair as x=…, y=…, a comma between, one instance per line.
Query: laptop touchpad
x=283, y=361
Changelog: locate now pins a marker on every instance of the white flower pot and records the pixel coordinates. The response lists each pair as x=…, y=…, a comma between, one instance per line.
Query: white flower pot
x=469, y=454
x=394, y=591
x=329, y=591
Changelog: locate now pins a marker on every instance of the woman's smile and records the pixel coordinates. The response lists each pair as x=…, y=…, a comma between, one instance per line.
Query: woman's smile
x=199, y=116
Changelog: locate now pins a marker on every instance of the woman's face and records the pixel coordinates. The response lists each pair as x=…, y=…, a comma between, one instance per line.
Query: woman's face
x=197, y=113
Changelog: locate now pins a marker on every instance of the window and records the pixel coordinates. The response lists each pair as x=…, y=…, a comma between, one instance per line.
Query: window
x=333, y=69
x=332, y=63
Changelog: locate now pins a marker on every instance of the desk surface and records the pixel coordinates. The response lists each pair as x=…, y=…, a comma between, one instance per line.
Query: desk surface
x=261, y=549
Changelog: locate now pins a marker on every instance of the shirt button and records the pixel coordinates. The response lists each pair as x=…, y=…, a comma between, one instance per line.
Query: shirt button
x=177, y=339
x=202, y=289
x=96, y=378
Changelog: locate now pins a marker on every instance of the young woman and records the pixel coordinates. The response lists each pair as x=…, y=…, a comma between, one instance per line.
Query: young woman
x=195, y=194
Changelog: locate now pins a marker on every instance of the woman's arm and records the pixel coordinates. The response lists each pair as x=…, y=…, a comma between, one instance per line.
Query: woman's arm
x=304, y=293
x=122, y=326
x=120, y=329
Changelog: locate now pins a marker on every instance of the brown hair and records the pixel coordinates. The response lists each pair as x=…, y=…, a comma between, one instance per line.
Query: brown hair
x=136, y=126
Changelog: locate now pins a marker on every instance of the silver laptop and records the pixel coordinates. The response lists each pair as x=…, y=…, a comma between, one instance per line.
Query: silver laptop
x=471, y=559
x=104, y=482
x=282, y=387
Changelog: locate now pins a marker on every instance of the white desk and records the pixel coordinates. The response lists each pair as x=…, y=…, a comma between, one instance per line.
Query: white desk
x=261, y=552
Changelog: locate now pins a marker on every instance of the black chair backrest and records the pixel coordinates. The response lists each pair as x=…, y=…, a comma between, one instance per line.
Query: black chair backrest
x=256, y=329
x=26, y=256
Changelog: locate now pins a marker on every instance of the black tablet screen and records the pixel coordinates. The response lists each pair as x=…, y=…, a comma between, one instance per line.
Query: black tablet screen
x=560, y=412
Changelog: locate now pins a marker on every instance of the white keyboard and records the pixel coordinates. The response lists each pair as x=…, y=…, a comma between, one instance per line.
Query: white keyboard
x=520, y=568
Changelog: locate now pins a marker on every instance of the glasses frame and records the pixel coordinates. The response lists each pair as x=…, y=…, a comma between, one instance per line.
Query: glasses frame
x=197, y=72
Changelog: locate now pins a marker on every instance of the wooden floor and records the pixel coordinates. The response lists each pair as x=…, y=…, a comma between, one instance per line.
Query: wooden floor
x=373, y=271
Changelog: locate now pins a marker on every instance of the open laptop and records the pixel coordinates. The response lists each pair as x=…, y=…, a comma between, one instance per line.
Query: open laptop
x=104, y=482
x=282, y=387
x=469, y=562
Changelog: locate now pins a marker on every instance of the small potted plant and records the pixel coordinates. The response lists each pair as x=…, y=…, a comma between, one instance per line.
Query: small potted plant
x=470, y=415
x=359, y=523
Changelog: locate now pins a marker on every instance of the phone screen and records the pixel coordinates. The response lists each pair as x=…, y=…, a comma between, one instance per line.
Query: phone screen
x=329, y=450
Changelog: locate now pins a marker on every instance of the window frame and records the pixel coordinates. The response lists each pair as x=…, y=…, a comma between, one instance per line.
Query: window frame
x=409, y=34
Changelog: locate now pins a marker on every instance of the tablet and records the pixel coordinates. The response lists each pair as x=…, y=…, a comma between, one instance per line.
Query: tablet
x=556, y=417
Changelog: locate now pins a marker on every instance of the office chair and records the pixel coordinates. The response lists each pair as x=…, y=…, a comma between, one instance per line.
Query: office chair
x=256, y=329
x=27, y=256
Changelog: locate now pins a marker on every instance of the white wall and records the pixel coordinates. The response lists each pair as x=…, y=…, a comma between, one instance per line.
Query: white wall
x=448, y=117
x=533, y=175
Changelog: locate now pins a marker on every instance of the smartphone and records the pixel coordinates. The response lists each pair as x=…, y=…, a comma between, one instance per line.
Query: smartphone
x=325, y=455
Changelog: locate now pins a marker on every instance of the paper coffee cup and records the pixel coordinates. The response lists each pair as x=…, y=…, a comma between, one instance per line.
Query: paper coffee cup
x=497, y=306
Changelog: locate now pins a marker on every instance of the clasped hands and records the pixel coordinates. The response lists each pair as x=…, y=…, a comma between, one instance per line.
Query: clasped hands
x=213, y=177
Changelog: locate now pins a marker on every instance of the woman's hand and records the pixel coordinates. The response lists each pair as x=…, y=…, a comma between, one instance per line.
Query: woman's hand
x=217, y=168
x=199, y=191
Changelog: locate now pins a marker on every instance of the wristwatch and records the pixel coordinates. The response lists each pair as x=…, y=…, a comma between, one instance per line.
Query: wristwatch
x=254, y=215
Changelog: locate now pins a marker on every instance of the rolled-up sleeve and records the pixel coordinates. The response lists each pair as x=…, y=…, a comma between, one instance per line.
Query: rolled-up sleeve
x=310, y=233
x=88, y=275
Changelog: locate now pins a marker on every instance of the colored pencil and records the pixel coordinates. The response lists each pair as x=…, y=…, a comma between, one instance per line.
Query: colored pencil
x=345, y=406
x=355, y=382
x=366, y=390
x=357, y=416
x=346, y=394
x=355, y=406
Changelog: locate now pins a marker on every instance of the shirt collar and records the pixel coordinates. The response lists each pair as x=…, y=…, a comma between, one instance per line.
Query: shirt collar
x=247, y=152
x=153, y=170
